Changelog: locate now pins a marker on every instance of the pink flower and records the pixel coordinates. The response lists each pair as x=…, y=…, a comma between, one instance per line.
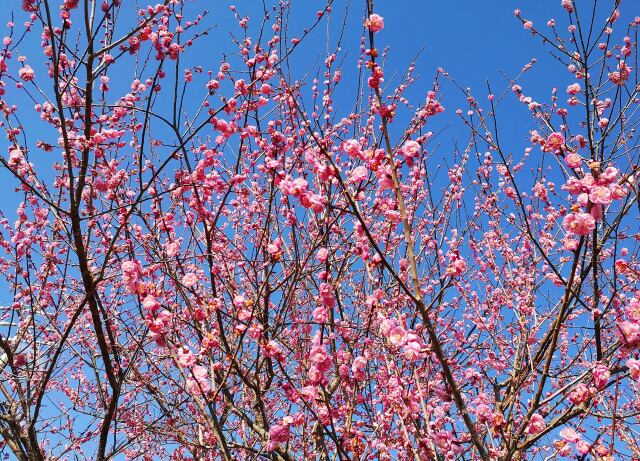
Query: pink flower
x=198, y=381
x=600, y=195
x=309, y=393
x=278, y=434
x=583, y=447
x=412, y=350
x=161, y=323
x=358, y=368
x=358, y=174
x=579, y=223
x=554, y=143
x=398, y=336
x=617, y=191
x=601, y=375
x=567, y=5
x=352, y=148
x=151, y=304
x=319, y=357
x=26, y=73
x=411, y=148
x=186, y=358
x=323, y=254
x=628, y=333
x=375, y=23
x=634, y=368
x=580, y=394
x=16, y=156
x=573, y=160
x=536, y=424
x=621, y=75
x=131, y=274
x=189, y=279
x=510, y=192
x=570, y=435
x=573, y=89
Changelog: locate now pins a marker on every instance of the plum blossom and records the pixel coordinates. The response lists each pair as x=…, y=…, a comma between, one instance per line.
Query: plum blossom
x=628, y=333
x=579, y=223
x=536, y=424
x=570, y=435
x=410, y=148
x=189, y=279
x=573, y=89
x=583, y=447
x=323, y=254
x=198, y=380
x=600, y=195
x=601, y=375
x=186, y=359
x=581, y=394
x=621, y=75
x=278, y=434
x=131, y=274
x=375, y=23
x=573, y=160
x=554, y=143
x=634, y=368
x=27, y=73
x=397, y=336
x=358, y=368
x=358, y=174
x=161, y=323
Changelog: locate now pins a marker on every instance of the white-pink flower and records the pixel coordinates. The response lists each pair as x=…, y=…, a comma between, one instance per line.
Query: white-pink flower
x=186, y=358
x=198, y=380
x=570, y=435
x=398, y=336
x=536, y=424
x=628, y=333
x=189, y=279
x=26, y=73
x=358, y=174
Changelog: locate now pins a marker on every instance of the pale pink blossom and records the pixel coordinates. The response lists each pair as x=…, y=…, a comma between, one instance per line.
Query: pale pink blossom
x=358, y=174
x=573, y=89
x=536, y=424
x=189, y=279
x=26, y=73
x=375, y=23
x=581, y=394
x=573, y=160
x=634, y=368
x=579, y=223
x=186, y=358
x=398, y=336
x=628, y=333
x=410, y=148
x=198, y=380
x=570, y=435
x=568, y=5
x=583, y=447
x=600, y=195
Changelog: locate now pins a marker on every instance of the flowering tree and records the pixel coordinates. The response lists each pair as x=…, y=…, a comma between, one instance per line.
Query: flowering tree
x=227, y=263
